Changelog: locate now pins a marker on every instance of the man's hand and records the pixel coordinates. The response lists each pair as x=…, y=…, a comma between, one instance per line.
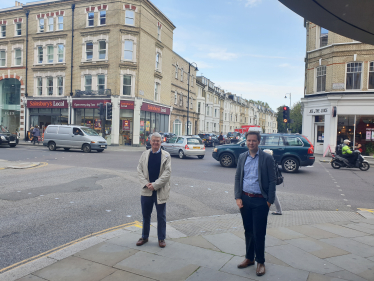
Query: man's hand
x=268, y=204
x=150, y=186
x=239, y=202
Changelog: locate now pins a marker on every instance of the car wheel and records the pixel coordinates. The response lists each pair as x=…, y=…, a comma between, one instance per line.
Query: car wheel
x=12, y=145
x=227, y=160
x=66, y=149
x=201, y=156
x=52, y=146
x=100, y=150
x=86, y=148
x=290, y=165
x=181, y=154
x=335, y=165
x=364, y=166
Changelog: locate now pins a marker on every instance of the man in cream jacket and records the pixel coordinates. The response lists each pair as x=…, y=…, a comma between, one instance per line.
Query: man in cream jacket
x=154, y=171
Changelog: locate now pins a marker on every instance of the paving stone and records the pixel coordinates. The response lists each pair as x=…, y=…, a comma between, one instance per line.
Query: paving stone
x=157, y=267
x=171, y=232
x=31, y=278
x=208, y=274
x=317, y=248
x=300, y=259
x=369, y=221
x=352, y=263
x=340, y=230
x=106, y=253
x=120, y=275
x=346, y=275
x=271, y=241
x=313, y=232
x=284, y=233
x=271, y=259
x=371, y=258
x=73, y=268
x=240, y=234
x=363, y=227
x=227, y=243
x=368, y=240
x=195, y=255
x=197, y=241
x=318, y=277
x=112, y=234
x=367, y=274
x=351, y=246
x=273, y=271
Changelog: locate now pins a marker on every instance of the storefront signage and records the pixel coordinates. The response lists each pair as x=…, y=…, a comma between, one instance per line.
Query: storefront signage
x=47, y=104
x=126, y=125
x=125, y=104
x=318, y=111
x=338, y=86
x=88, y=103
x=141, y=125
x=155, y=108
x=368, y=135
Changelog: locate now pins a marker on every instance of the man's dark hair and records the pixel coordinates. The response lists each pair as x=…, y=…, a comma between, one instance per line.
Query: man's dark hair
x=253, y=133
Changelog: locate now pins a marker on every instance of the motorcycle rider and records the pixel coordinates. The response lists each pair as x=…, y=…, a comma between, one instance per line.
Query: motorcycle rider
x=348, y=154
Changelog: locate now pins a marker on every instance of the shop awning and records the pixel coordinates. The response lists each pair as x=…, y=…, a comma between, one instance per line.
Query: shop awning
x=350, y=18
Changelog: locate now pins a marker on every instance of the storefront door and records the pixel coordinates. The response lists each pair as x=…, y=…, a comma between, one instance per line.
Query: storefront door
x=319, y=138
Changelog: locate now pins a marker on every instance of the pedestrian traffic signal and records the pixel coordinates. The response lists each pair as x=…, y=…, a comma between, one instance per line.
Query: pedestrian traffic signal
x=108, y=111
x=286, y=114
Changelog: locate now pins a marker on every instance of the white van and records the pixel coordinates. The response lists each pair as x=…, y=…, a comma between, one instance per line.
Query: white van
x=72, y=136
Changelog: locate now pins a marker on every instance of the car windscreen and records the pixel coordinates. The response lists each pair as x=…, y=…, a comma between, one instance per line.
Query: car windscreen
x=3, y=130
x=230, y=134
x=89, y=131
x=194, y=141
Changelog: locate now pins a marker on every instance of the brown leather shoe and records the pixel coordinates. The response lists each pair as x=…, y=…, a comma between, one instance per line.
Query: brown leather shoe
x=246, y=263
x=162, y=243
x=260, y=269
x=141, y=241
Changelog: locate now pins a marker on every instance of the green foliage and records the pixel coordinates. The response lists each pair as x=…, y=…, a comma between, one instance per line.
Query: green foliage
x=369, y=147
x=295, y=115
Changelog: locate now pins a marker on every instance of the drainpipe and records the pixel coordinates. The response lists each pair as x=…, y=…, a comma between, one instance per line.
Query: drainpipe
x=72, y=51
x=27, y=12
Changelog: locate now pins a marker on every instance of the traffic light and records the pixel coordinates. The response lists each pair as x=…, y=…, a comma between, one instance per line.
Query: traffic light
x=101, y=110
x=286, y=114
x=108, y=111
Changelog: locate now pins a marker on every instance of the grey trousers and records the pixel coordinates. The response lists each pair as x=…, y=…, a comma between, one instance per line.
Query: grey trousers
x=277, y=204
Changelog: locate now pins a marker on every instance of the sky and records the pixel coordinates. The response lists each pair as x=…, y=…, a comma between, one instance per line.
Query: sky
x=252, y=48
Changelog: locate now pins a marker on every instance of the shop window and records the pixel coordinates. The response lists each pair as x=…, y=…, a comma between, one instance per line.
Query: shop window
x=50, y=50
x=18, y=57
x=39, y=86
x=345, y=128
x=50, y=86
x=60, y=52
x=88, y=83
x=101, y=82
x=2, y=58
x=50, y=24
x=90, y=19
x=60, y=23
x=129, y=17
x=40, y=54
x=60, y=85
x=102, y=50
x=89, y=51
x=371, y=76
x=102, y=17
x=129, y=44
x=18, y=29
x=354, y=71
x=3, y=31
x=126, y=85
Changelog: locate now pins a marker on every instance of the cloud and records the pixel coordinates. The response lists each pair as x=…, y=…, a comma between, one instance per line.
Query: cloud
x=284, y=65
x=252, y=3
x=222, y=55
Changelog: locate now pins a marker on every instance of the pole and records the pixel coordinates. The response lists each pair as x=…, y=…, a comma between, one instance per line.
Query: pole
x=188, y=96
x=71, y=62
x=26, y=94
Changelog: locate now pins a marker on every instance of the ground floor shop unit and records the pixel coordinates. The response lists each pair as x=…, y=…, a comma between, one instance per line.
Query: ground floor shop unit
x=133, y=120
x=329, y=119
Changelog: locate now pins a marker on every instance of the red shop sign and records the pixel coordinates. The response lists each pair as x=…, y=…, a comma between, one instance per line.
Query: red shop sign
x=125, y=104
x=155, y=108
x=47, y=104
x=88, y=103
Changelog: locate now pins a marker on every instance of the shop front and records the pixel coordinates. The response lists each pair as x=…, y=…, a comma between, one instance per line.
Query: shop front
x=126, y=124
x=10, y=98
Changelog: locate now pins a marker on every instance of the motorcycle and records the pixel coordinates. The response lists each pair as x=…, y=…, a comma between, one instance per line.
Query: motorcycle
x=339, y=161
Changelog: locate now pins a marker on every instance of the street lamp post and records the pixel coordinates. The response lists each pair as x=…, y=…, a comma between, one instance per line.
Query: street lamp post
x=188, y=94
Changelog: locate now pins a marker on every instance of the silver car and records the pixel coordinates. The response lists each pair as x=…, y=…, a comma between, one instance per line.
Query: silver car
x=185, y=146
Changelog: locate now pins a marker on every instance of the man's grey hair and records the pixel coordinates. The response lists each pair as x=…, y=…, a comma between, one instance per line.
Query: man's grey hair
x=156, y=135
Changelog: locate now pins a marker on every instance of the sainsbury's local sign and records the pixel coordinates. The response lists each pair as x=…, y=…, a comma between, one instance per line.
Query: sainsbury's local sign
x=47, y=104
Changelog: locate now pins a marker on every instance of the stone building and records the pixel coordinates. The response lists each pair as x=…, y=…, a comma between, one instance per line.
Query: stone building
x=339, y=90
x=121, y=54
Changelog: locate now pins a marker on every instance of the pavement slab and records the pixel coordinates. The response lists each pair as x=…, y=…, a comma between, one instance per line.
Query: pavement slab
x=346, y=275
x=352, y=263
x=227, y=243
x=120, y=275
x=106, y=253
x=318, y=277
x=363, y=227
x=368, y=240
x=171, y=232
x=198, y=241
x=31, y=278
x=371, y=258
x=284, y=233
x=271, y=241
x=271, y=259
x=208, y=274
x=195, y=255
x=300, y=259
x=157, y=267
x=351, y=246
x=313, y=232
x=339, y=230
x=73, y=268
x=317, y=248
x=273, y=271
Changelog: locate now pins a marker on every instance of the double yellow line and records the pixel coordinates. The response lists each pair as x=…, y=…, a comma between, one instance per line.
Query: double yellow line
x=26, y=261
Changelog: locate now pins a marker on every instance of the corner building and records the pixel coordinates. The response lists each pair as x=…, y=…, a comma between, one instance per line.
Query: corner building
x=339, y=90
x=83, y=53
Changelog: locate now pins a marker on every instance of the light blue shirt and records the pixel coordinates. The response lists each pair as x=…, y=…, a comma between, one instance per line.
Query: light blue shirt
x=158, y=151
x=250, y=178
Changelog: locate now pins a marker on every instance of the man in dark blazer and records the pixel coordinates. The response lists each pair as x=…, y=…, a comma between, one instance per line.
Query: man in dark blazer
x=254, y=193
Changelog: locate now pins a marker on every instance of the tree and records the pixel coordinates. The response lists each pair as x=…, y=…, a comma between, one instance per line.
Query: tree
x=297, y=117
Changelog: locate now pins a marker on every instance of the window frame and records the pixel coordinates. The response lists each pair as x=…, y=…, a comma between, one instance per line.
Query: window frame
x=102, y=50
x=371, y=71
x=321, y=70
x=50, y=47
x=49, y=87
x=49, y=24
x=15, y=56
x=346, y=76
x=131, y=18
x=39, y=87
x=3, y=59
x=18, y=29
x=158, y=32
x=157, y=91
x=175, y=97
x=92, y=19
x=132, y=50
x=100, y=17
x=40, y=55
x=3, y=32
x=86, y=57
x=60, y=23
x=98, y=82
x=59, y=54
x=60, y=87
x=158, y=61
x=323, y=36
x=85, y=83
x=41, y=30
x=125, y=85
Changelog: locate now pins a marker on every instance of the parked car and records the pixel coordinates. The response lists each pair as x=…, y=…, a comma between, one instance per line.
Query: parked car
x=73, y=136
x=7, y=138
x=234, y=137
x=184, y=146
x=292, y=151
x=164, y=138
x=209, y=139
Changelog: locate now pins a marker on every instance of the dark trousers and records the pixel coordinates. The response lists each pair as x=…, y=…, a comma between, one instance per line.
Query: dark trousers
x=255, y=216
x=35, y=139
x=147, y=207
x=351, y=157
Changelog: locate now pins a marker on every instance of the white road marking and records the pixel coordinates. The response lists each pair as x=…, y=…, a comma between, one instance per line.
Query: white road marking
x=129, y=216
x=209, y=189
x=345, y=199
x=342, y=194
x=108, y=210
x=349, y=206
x=41, y=195
x=56, y=198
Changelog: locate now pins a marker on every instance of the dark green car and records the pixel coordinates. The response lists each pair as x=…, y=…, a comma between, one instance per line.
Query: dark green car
x=289, y=150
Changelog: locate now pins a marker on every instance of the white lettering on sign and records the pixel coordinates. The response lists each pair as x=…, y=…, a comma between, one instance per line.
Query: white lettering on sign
x=58, y=103
x=318, y=111
x=163, y=109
